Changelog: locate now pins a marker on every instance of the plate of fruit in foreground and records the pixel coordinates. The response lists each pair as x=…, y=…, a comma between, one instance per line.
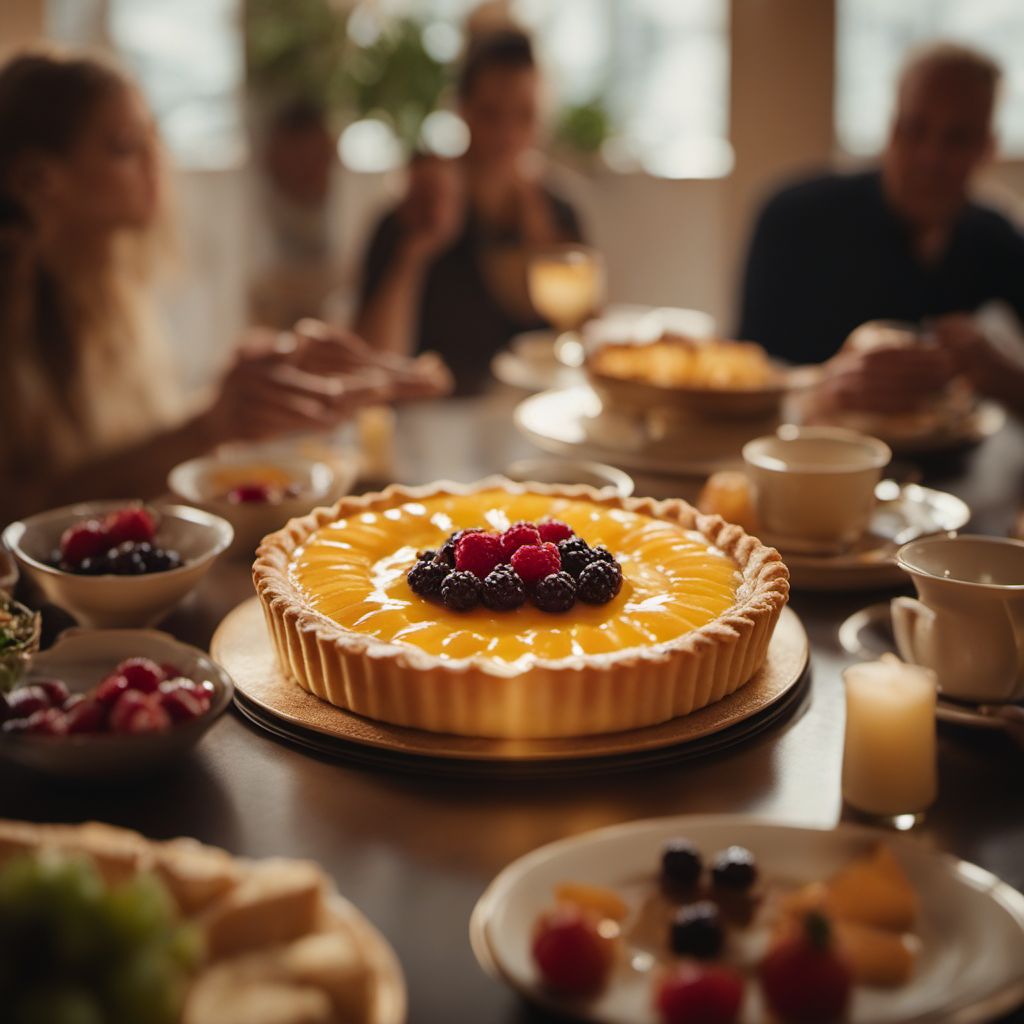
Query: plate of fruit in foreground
x=111, y=703
x=731, y=920
x=181, y=933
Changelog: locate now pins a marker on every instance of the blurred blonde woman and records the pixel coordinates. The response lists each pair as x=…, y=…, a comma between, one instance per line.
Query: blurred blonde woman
x=89, y=404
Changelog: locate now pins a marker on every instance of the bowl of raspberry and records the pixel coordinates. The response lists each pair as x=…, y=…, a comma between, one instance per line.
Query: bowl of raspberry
x=258, y=490
x=111, y=704
x=117, y=563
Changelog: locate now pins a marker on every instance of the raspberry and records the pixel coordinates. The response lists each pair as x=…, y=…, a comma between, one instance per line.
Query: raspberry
x=575, y=554
x=554, y=530
x=535, y=561
x=109, y=691
x=141, y=673
x=503, y=590
x=517, y=535
x=461, y=591
x=599, y=582
x=425, y=578
x=81, y=541
x=478, y=553
x=555, y=593
x=447, y=550
x=130, y=524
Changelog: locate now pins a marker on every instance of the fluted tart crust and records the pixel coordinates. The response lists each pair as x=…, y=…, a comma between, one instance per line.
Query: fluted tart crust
x=692, y=624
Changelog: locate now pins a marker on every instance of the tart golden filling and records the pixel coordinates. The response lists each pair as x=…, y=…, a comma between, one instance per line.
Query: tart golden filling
x=353, y=571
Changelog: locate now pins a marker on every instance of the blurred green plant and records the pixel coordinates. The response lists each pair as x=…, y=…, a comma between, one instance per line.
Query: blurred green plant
x=584, y=127
x=302, y=50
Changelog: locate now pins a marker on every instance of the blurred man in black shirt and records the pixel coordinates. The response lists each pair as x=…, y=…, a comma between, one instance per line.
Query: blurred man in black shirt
x=903, y=242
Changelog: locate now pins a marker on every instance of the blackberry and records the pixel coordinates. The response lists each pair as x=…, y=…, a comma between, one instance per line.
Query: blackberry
x=576, y=555
x=503, y=590
x=425, y=578
x=460, y=591
x=426, y=556
x=696, y=930
x=555, y=593
x=125, y=560
x=734, y=868
x=681, y=864
x=602, y=554
x=599, y=582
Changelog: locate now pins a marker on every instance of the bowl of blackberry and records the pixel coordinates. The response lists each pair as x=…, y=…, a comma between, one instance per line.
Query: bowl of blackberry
x=117, y=563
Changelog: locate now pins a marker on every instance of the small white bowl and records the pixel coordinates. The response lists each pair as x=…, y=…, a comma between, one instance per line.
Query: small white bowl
x=571, y=471
x=105, y=601
x=82, y=658
x=320, y=483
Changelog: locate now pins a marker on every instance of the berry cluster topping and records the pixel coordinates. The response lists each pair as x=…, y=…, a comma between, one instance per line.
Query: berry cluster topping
x=545, y=563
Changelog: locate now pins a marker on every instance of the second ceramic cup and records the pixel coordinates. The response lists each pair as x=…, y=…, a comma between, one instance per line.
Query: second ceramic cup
x=814, y=487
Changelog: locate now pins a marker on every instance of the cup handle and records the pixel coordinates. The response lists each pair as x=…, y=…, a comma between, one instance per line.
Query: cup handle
x=906, y=613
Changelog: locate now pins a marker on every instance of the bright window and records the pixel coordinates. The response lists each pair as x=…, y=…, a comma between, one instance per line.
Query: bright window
x=873, y=37
x=188, y=58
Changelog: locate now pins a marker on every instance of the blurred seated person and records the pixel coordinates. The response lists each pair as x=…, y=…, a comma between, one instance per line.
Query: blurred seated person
x=446, y=270
x=295, y=265
x=901, y=242
x=89, y=406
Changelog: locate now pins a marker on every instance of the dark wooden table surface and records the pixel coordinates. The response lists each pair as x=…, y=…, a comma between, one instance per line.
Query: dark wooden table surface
x=414, y=853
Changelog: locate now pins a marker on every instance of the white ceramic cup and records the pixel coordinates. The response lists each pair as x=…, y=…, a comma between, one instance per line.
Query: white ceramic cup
x=814, y=487
x=967, y=622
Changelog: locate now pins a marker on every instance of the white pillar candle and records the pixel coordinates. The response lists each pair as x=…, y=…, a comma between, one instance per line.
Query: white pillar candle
x=889, y=754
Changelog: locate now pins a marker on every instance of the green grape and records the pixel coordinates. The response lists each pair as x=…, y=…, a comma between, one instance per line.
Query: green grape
x=73, y=951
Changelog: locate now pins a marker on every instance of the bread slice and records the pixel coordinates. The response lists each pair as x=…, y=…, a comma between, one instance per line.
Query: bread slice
x=195, y=875
x=275, y=902
x=333, y=961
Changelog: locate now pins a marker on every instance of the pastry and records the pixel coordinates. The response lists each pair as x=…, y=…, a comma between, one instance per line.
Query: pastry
x=679, y=616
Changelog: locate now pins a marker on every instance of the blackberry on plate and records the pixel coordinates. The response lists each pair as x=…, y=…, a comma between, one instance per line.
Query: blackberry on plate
x=599, y=582
x=734, y=868
x=555, y=593
x=681, y=863
x=503, y=590
x=576, y=555
x=696, y=930
x=460, y=591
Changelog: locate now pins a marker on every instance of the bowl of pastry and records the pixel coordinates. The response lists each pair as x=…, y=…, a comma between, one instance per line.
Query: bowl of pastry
x=518, y=610
x=117, y=563
x=182, y=933
x=686, y=376
x=257, y=491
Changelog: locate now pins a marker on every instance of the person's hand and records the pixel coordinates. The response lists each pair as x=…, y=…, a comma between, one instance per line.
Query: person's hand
x=265, y=394
x=886, y=380
x=326, y=350
x=431, y=215
x=959, y=336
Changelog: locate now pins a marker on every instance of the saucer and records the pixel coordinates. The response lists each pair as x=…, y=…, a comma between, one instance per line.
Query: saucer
x=867, y=634
x=903, y=513
x=531, y=363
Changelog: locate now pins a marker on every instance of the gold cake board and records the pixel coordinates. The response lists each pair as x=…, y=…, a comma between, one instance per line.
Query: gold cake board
x=268, y=698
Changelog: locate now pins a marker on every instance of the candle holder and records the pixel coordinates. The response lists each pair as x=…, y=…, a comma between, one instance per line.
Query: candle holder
x=889, y=755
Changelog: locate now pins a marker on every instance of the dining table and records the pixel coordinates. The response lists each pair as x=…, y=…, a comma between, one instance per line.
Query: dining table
x=415, y=850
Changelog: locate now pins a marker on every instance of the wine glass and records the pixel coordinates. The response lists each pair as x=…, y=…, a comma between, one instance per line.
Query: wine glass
x=566, y=285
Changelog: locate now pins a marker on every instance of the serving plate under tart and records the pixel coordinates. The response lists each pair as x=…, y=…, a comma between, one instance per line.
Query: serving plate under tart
x=280, y=706
x=971, y=924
